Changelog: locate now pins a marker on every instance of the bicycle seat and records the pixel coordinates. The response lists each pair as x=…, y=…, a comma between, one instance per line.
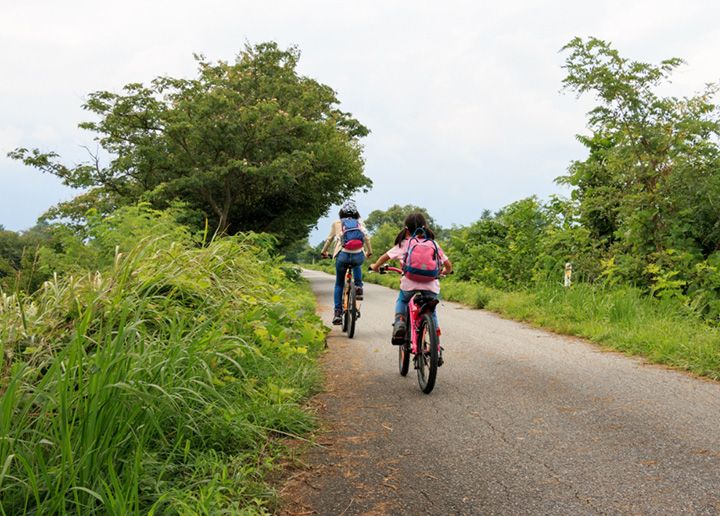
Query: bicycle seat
x=423, y=299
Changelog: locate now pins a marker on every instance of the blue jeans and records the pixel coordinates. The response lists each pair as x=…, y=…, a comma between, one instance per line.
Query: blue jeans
x=341, y=261
x=401, y=305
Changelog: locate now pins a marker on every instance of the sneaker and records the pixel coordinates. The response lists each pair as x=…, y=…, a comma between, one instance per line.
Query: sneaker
x=399, y=330
x=337, y=319
x=440, y=358
x=358, y=293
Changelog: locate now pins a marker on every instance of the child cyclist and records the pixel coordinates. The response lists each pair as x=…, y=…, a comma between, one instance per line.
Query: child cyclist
x=415, y=225
x=352, y=239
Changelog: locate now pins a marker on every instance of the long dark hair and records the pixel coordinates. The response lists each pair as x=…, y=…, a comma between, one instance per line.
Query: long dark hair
x=412, y=223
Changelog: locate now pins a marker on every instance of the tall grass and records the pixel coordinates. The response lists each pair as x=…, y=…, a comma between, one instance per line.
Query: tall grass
x=622, y=319
x=155, y=388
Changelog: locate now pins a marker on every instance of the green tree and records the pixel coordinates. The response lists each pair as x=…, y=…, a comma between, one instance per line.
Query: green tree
x=303, y=252
x=648, y=189
x=19, y=258
x=250, y=146
x=384, y=225
x=383, y=238
x=501, y=250
x=395, y=216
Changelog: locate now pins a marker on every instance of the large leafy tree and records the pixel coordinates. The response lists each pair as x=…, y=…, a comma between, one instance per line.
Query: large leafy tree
x=395, y=216
x=649, y=187
x=250, y=145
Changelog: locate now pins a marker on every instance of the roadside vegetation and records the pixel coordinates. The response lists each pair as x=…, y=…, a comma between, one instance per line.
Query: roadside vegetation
x=162, y=383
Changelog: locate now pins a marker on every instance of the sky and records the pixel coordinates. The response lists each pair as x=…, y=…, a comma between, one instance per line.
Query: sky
x=463, y=97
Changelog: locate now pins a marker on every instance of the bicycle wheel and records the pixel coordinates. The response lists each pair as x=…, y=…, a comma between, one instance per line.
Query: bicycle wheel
x=352, y=311
x=404, y=356
x=346, y=306
x=426, y=360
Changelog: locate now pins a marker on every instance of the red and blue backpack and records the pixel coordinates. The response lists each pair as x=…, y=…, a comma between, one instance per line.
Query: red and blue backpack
x=352, y=235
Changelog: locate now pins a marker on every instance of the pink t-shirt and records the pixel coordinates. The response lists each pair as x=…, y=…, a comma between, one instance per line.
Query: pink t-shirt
x=398, y=253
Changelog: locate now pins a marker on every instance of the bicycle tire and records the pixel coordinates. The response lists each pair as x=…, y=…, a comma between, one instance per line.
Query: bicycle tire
x=404, y=356
x=426, y=359
x=352, y=311
x=345, y=305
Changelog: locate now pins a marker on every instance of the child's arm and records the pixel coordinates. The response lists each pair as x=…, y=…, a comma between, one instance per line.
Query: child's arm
x=447, y=268
x=380, y=261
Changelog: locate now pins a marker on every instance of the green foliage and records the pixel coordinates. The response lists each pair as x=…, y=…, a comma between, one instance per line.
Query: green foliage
x=303, y=252
x=395, y=217
x=157, y=384
x=105, y=239
x=647, y=192
x=501, y=251
x=383, y=239
x=621, y=318
x=19, y=253
x=249, y=146
x=385, y=225
x=643, y=207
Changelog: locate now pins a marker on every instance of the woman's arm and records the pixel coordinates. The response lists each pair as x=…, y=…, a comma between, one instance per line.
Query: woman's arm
x=328, y=242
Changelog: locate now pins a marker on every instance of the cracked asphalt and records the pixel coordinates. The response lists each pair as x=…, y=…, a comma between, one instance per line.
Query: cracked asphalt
x=521, y=422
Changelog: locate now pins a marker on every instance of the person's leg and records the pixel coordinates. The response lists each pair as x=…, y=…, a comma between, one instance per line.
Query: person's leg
x=400, y=324
x=357, y=270
x=358, y=260
x=339, y=283
x=401, y=305
x=357, y=274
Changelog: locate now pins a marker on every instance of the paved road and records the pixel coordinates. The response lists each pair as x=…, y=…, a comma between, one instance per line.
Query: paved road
x=521, y=421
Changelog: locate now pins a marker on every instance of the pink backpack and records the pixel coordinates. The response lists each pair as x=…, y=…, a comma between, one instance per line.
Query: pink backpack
x=422, y=259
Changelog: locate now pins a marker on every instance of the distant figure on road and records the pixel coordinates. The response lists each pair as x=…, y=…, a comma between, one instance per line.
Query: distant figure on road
x=353, y=244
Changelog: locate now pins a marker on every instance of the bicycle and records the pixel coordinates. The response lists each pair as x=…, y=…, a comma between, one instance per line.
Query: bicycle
x=422, y=340
x=351, y=312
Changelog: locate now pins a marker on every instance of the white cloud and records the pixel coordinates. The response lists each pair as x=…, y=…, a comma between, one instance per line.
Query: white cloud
x=9, y=139
x=45, y=133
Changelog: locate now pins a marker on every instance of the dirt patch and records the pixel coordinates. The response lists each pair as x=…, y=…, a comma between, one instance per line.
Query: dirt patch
x=347, y=469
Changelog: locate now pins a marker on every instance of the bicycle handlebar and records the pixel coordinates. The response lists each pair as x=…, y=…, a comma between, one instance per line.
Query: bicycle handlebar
x=387, y=268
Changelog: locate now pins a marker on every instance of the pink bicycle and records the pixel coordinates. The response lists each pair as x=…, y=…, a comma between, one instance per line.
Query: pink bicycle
x=422, y=340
